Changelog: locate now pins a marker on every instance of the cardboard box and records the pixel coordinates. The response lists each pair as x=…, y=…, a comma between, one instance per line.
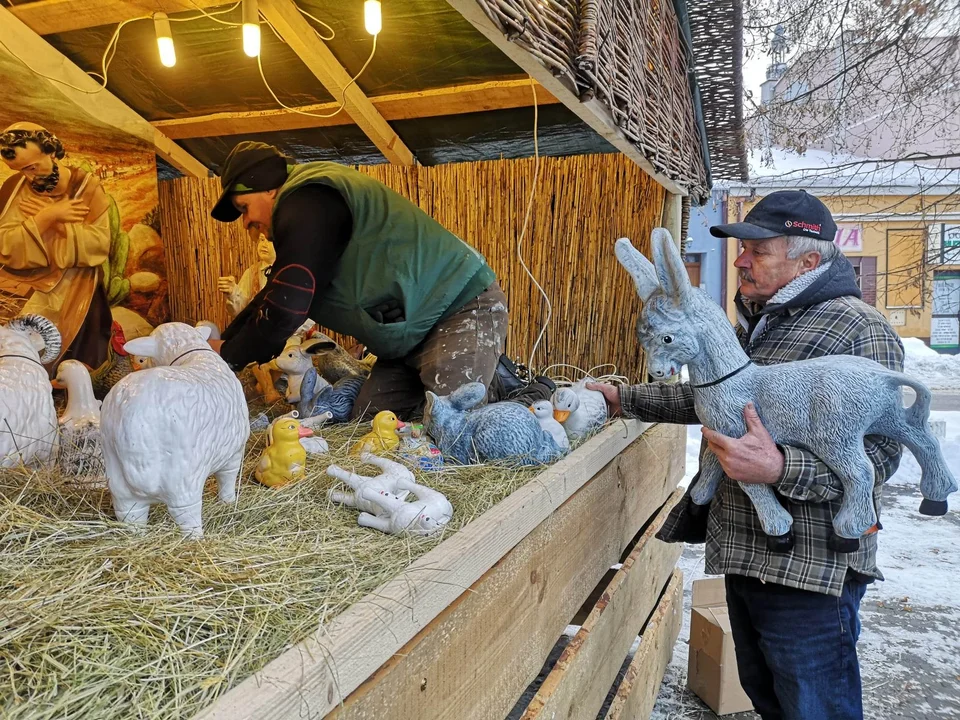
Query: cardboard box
x=712, y=669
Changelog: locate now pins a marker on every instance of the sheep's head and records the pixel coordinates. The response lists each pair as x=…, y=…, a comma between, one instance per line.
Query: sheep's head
x=673, y=310
x=32, y=335
x=213, y=327
x=168, y=342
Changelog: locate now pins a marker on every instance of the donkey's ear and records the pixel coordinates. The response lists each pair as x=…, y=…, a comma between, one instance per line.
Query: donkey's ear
x=670, y=268
x=640, y=269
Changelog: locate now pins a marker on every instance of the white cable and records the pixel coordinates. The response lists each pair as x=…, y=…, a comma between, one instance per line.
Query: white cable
x=343, y=94
x=526, y=219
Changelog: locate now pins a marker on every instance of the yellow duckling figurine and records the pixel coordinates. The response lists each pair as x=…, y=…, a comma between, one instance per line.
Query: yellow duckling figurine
x=383, y=437
x=285, y=459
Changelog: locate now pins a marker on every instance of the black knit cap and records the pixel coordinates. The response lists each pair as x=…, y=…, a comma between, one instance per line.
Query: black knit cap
x=250, y=167
x=786, y=212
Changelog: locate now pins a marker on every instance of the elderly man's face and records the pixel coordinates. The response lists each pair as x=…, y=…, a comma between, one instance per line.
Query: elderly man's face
x=765, y=268
x=40, y=169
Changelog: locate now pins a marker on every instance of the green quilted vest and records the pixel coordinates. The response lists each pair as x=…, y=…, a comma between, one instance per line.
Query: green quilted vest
x=396, y=251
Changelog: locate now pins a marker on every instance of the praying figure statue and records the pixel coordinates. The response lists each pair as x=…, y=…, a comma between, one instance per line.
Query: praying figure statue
x=254, y=278
x=54, y=236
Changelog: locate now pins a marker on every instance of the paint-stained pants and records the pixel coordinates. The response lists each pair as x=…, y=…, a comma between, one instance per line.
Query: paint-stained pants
x=463, y=348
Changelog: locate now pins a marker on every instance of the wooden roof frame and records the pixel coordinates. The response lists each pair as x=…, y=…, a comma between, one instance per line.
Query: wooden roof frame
x=59, y=68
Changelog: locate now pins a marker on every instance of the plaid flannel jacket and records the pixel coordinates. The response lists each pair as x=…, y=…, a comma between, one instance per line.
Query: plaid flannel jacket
x=808, y=489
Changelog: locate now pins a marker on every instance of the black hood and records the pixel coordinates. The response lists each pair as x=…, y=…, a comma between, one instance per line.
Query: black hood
x=840, y=280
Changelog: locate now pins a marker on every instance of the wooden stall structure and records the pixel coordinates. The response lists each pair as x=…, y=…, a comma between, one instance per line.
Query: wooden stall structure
x=445, y=116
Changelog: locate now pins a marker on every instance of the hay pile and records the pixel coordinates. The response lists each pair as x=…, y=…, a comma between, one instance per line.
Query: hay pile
x=99, y=622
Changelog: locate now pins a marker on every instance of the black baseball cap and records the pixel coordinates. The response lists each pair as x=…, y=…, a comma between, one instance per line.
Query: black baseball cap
x=250, y=167
x=785, y=212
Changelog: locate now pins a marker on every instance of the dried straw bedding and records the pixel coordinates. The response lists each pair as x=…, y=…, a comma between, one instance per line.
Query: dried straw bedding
x=97, y=621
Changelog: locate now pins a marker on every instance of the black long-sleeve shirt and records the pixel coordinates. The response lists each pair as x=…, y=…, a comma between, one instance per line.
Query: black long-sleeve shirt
x=311, y=229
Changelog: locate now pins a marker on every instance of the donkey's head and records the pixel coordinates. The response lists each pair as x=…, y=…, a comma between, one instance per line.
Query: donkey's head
x=672, y=308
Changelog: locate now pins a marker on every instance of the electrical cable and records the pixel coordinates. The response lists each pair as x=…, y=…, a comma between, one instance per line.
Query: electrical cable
x=526, y=220
x=343, y=93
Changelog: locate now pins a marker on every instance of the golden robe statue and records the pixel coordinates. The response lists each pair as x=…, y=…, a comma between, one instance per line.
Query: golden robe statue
x=58, y=269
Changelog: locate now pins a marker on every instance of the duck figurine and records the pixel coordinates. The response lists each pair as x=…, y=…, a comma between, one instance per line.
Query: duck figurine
x=383, y=437
x=579, y=410
x=80, y=451
x=285, y=459
x=544, y=412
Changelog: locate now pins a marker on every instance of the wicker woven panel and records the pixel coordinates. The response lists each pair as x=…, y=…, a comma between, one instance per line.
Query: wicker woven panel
x=628, y=55
x=548, y=29
x=716, y=29
x=582, y=204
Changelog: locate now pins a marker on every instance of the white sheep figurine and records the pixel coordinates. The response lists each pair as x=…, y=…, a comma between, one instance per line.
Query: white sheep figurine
x=389, y=482
x=81, y=452
x=168, y=428
x=28, y=418
x=824, y=404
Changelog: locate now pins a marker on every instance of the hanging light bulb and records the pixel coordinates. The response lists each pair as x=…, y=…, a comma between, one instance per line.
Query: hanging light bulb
x=251, y=28
x=372, y=20
x=161, y=24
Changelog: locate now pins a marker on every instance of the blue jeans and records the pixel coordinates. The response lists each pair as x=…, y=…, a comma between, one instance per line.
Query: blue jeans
x=796, y=649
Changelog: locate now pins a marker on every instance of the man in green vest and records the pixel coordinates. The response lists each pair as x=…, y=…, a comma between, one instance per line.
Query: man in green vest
x=362, y=260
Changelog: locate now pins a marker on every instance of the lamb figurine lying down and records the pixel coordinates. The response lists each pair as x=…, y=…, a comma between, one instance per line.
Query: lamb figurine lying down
x=826, y=404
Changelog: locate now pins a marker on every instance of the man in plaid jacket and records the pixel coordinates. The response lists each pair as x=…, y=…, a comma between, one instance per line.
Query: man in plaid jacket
x=794, y=615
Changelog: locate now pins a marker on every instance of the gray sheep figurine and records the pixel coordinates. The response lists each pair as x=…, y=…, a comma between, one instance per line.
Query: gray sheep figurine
x=500, y=431
x=825, y=404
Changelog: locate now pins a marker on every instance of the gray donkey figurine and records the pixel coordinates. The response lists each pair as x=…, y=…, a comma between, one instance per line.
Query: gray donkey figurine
x=824, y=404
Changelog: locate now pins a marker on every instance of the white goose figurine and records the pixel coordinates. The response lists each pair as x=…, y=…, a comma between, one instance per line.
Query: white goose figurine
x=543, y=411
x=81, y=454
x=581, y=411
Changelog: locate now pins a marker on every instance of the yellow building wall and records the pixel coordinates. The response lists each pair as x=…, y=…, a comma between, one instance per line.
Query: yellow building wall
x=897, y=245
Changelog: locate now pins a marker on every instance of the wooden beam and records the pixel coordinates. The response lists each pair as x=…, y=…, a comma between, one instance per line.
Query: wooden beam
x=672, y=217
x=587, y=668
x=47, y=17
x=592, y=112
x=326, y=667
x=300, y=36
x=636, y=695
x=178, y=157
x=457, y=100
x=81, y=89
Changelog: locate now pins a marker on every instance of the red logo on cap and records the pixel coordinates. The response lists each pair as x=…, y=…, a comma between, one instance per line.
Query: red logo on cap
x=802, y=225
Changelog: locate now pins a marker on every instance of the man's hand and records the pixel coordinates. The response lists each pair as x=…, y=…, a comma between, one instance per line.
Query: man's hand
x=389, y=311
x=30, y=205
x=611, y=393
x=754, y=458
x=68, y=211
x=215, y=344
x=226, y=284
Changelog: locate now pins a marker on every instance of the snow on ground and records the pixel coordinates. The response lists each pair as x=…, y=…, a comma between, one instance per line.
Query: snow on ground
x=936, y=371
x=909, y=644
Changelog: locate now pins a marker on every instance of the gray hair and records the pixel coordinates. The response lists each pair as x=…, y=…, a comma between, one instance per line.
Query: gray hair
x=798, y=245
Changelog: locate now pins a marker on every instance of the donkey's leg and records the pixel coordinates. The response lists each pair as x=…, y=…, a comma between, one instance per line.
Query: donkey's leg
x=776, y=521
x=711, y=473
x=936, y=480
x=857, y=475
